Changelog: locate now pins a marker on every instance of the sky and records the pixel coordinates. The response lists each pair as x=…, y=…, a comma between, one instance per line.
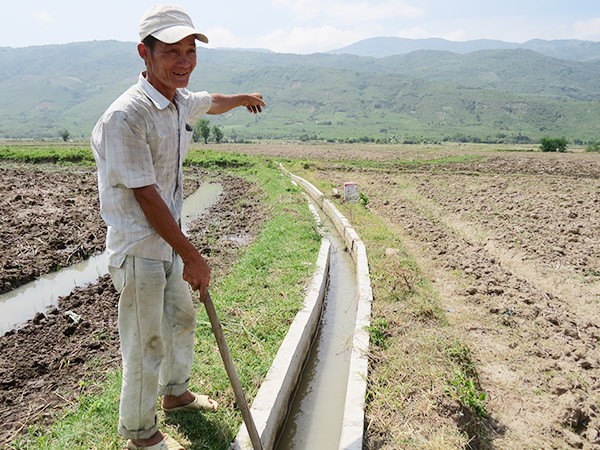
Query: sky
x=305, y=26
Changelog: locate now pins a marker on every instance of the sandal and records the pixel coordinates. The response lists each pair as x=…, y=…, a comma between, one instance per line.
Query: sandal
x=200, y=403
x=168, y=443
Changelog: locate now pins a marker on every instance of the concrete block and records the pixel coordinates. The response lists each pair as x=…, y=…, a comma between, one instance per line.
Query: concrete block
x=310, y=189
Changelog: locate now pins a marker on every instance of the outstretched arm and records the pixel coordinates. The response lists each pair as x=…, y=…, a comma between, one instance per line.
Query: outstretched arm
x=221, y=103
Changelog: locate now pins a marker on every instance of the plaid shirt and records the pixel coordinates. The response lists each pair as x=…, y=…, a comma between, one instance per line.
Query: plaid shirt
x=141, y=140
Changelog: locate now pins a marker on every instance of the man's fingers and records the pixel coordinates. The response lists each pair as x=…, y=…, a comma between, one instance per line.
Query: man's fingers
x=254, y=109
x=203, y=291
x=257, y=103
x=199, y=286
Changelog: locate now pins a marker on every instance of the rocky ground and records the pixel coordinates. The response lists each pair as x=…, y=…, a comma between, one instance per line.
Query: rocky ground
x=49, y=219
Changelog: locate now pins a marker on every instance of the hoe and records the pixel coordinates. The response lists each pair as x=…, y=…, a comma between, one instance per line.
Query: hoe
x=231, y=373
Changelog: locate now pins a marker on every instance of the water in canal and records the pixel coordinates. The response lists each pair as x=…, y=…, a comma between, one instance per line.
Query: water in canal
x=316, y=413
x=21, y=304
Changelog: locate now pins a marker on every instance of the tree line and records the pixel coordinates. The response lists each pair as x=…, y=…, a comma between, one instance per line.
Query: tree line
x=203, y=130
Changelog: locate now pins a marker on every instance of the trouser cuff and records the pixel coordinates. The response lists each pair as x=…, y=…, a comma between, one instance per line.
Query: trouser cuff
x=174, y=389
x=138, y=434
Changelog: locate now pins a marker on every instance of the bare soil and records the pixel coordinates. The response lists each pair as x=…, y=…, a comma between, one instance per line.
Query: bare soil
x=49, y=219
x=512, y=243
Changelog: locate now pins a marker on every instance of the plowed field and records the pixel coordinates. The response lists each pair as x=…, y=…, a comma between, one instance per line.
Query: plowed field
x=511, y=240
x=49, y=219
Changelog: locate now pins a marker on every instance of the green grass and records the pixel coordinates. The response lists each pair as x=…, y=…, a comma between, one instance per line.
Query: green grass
x=91, y=424
x=465, y=390
x=57, y=153
x=463, y=385
x=378, y=333
x=256, y=301
x=211, y=159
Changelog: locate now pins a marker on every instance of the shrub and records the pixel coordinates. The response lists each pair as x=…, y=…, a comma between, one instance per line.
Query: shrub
x=202, y=129
x=548, y=144
x=218, y=134
x=593, y=147
x=467, y=393
x=65, y=135
x=363, y=199
x=378, y=333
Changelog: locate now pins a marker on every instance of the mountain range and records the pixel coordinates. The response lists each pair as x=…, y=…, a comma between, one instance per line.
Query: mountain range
x=572, y=49
x=385, y=89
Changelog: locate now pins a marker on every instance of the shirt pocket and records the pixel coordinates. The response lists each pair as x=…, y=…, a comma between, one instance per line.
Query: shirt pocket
x=189, y=133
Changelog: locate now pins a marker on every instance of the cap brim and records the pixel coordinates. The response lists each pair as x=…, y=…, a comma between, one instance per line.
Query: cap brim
x=175, y=34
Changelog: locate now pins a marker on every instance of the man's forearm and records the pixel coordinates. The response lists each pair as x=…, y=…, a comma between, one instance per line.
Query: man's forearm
x=161, y=219
x=221, y=103
x=196, y=270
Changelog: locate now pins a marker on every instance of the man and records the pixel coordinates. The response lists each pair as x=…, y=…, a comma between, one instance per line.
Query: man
x=139, y=144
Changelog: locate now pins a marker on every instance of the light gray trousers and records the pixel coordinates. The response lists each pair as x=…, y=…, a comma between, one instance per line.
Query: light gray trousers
x=156, y=328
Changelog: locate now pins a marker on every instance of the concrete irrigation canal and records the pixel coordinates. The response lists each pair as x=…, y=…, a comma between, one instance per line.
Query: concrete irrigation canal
x=316, y=412
x=289, y=408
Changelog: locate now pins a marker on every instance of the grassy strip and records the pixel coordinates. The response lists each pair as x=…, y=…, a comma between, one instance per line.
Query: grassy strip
x=36, y=153
x=422, y=383
x=256, y=302
x=57, y=154
x=395, y=164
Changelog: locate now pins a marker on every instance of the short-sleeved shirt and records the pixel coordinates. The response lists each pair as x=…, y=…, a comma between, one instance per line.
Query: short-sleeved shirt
x=141, y=140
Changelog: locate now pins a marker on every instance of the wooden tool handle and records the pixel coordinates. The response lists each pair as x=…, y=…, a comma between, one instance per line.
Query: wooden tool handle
x=231, y=373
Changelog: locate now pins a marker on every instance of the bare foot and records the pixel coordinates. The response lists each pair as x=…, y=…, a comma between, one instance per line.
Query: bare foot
x=154, y=439
x=173, y=401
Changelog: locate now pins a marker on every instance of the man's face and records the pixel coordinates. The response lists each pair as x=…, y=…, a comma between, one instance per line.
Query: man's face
x=169, y=66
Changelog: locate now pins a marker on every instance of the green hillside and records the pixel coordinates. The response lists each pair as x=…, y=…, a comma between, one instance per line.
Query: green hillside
x=488, y=95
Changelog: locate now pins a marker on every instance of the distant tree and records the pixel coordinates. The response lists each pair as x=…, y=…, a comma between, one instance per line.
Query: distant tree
x=65, y=135
x=521, y=139
x=202, y=130
x=218, y=134
x=548, y=144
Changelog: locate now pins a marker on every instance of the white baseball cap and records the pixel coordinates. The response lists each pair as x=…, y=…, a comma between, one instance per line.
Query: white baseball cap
x=168, y=24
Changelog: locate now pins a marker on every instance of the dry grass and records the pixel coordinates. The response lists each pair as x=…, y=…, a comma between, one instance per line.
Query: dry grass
x=410, y=400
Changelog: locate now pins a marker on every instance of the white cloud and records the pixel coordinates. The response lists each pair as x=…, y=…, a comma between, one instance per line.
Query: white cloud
x=307, y=39
x=44, y=17
x=587, y=30
x=221, y=37
x=325, y=25
x=365, y=11
x=302, y=9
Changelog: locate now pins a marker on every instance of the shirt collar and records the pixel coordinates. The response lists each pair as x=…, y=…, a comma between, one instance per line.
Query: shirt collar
x=159, y=100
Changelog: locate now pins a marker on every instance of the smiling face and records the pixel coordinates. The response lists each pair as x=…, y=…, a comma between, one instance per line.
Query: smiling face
x=169, y=66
